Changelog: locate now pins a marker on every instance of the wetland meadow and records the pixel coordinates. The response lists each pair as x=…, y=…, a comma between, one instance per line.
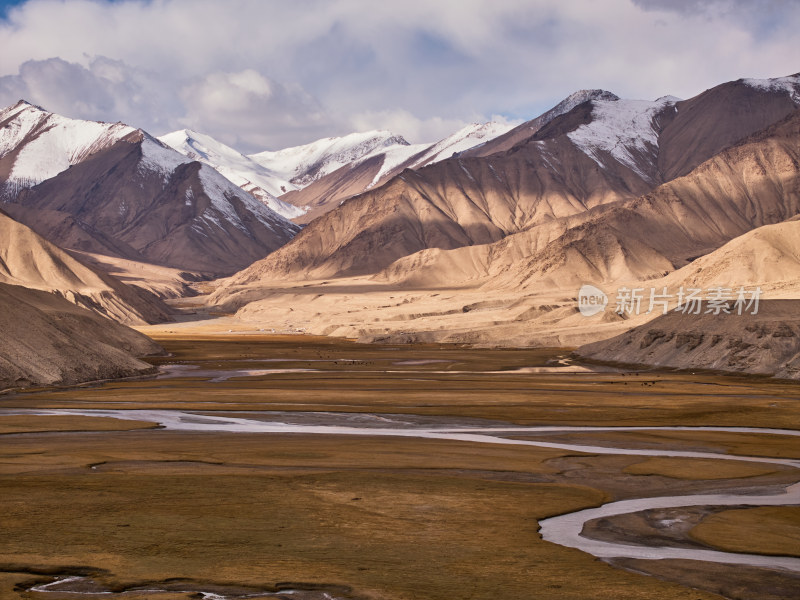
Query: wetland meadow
x=255, y=466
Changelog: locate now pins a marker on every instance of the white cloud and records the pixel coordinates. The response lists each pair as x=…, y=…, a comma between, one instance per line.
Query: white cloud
x=106, y=89
x=320, y=67
x=248, y=111
x=406, y=124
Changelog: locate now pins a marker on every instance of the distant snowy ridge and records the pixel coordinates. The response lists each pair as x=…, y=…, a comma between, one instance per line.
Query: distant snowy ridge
x=464, y=139
x=241, y=170
x=426, y=154
x=161, y=158
x=303, y=165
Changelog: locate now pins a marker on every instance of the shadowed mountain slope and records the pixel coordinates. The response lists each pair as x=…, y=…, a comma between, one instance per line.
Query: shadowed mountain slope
x=49, y=341
x=30, y=261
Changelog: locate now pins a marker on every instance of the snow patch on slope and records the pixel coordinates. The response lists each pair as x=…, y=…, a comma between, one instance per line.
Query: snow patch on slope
x=156, y=157
x=21, y=122
x=470, y=136
x=623, y=129
x=222, y=192
x=570, y=102
x=790, y=85
x=393, y=158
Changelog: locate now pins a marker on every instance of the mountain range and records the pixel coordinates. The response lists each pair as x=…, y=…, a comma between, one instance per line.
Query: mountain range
x=483, y=237
x=315, y=178
x=118, y=191
x=572, y=174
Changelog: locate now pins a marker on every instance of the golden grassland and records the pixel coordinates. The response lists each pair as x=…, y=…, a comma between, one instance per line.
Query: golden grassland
x=698, y=468
x=388, y=518
x=377, y=517
x=352, y=377
x=44, y=423
x=773, y=530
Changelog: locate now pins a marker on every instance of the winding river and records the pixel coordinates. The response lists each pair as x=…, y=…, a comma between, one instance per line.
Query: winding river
x=566, y=530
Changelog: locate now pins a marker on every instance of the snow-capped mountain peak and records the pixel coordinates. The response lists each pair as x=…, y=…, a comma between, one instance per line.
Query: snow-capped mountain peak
x=241, y=170
x=623, y=129
x=160, y=157
x=94, y=182
x=38, y=145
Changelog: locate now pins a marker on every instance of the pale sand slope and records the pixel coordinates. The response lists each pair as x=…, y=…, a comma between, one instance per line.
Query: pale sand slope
x=768, y=257
x=767, y=343
x=164, y=282
x=370, y=310
x=28, y=260
x=46, y=340
x=374, y=312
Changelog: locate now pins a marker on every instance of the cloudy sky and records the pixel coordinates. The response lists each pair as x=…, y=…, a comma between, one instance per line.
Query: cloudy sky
x=266, y=74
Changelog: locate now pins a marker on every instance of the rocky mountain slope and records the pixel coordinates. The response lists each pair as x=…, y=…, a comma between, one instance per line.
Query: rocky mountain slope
x=767, y=343
x=486, y=313
x=555, y=183
x=734, y=339
x=49, y=341
x=127, y=195
x=755, y=183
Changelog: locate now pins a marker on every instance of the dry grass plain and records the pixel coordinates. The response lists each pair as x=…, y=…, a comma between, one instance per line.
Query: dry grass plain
x=366, y=517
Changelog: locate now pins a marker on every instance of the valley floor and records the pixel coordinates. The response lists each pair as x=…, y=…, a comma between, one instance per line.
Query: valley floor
x=205, y=494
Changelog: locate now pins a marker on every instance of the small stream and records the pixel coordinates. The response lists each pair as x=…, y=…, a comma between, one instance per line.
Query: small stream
x=565, y=530
x=84, y=587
